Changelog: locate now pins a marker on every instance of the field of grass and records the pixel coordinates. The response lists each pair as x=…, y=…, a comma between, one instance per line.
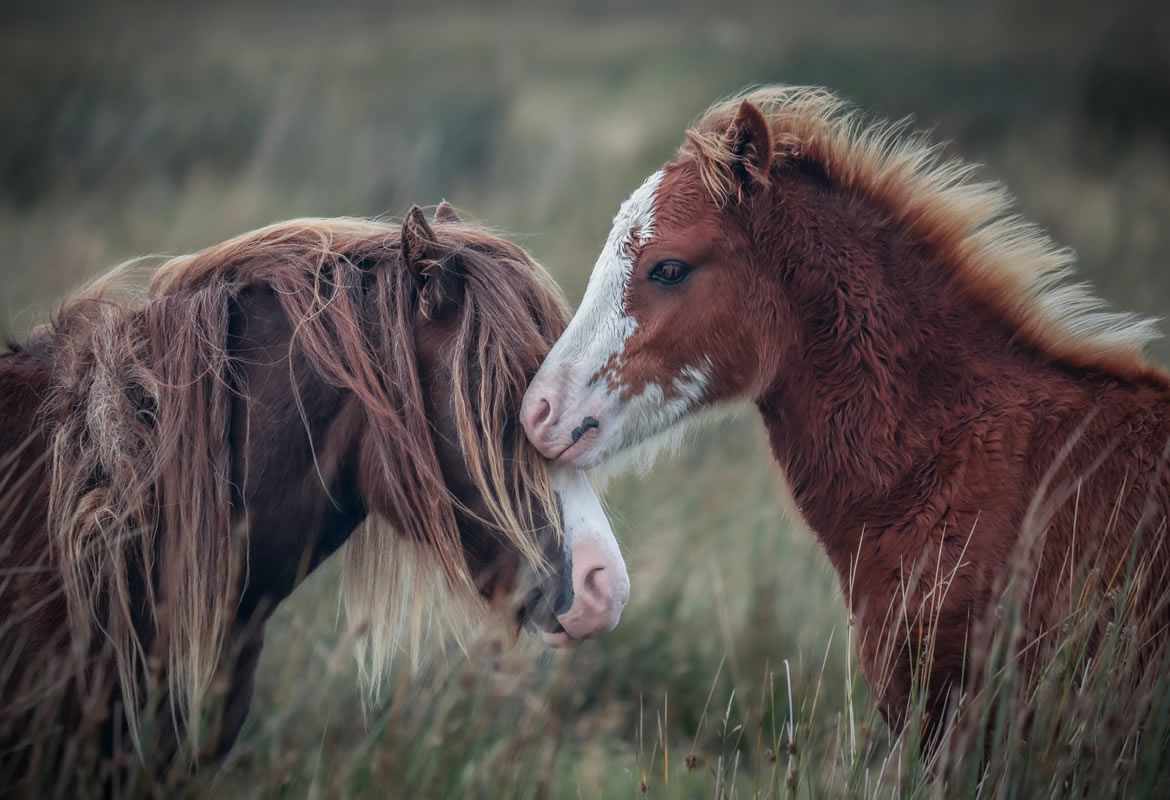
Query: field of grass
x=135, y=131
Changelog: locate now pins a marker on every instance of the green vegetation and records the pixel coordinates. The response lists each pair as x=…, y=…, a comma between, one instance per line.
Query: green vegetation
x=134, y=131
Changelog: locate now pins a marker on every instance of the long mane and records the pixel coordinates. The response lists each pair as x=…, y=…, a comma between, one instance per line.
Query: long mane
x=141, y=462
x=1006, y=262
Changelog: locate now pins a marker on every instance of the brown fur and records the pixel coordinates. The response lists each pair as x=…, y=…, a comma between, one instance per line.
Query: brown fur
x=942, y=404
x=175, y=463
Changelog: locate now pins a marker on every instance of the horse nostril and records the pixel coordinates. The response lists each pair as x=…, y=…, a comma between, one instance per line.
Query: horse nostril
x=543, y=412
x=587, y=424
x=594, y=589
x=591, y=580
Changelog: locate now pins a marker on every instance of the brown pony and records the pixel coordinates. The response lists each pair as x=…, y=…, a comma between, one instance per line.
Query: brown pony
x=174, y=465
x=942, y=402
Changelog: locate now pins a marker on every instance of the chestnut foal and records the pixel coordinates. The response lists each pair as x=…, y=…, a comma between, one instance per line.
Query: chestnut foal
x=942, y=403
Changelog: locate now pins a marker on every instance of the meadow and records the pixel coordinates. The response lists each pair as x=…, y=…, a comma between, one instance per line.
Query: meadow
x=134, y=130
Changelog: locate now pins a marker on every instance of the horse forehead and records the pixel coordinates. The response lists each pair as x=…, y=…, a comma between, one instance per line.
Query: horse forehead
x=634, y=222
x=605, y=295
x=674, y=196
x=682, y=199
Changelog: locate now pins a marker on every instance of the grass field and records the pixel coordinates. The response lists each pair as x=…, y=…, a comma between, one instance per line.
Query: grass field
x=132, y=131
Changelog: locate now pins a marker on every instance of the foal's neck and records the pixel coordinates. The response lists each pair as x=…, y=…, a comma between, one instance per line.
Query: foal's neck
x=895, y=380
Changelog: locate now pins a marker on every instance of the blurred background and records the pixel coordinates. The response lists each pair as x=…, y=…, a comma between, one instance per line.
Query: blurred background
x=129, y=128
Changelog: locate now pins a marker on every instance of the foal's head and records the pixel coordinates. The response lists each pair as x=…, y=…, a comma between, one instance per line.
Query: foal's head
x=669, y=321
x=788, y=231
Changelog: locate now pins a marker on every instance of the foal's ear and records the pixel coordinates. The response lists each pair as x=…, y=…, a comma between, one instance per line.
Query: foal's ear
x=446, y=213
x=750, y=142
x=439, y=283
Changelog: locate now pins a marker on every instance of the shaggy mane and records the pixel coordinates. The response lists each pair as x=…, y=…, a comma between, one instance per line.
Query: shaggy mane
x=1006, y=261
x=139, y=413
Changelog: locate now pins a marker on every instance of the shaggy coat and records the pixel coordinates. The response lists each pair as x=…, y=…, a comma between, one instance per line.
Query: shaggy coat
x=173, y=464
x=950, y=414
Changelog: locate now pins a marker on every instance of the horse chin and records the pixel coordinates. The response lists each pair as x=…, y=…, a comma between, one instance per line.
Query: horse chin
x=557, y=637
x=585, y=453
x=536, y=618
x=632, y=437
x=560, y=641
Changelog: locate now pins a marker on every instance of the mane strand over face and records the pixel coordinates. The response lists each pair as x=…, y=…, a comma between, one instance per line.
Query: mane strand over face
x=140, y=412
x=1005, y=261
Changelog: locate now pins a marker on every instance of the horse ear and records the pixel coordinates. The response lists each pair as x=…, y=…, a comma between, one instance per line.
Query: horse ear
x=440, y=284
x=750, y=142
x=446, y=213
x=419, y=245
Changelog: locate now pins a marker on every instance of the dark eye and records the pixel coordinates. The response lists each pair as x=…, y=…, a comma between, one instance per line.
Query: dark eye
x=670, y=272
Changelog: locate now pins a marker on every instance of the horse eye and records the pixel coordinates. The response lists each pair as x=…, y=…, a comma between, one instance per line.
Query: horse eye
x=669, y=273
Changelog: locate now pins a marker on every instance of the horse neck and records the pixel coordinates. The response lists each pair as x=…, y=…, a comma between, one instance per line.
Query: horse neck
x=894, y=375
x=294, y=468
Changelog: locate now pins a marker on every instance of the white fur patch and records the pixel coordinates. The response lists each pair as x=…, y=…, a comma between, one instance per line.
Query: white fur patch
x=591, y=545
x=632, y=428
x=649, y=424
x=582, y=513
x=601, y=327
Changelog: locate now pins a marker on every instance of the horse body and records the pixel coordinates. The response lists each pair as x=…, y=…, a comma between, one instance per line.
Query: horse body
x=928, y=449
x=176, y=466
x=951, y=416
x=298, y=512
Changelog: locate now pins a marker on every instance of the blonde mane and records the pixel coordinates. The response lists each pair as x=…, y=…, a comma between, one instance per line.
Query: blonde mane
x=141, y=462
x=1006, y=261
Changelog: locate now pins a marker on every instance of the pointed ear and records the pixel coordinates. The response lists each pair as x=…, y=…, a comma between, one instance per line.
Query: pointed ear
x=750, y=142
x=446, y=213
x=419, y=245
x=440, y=281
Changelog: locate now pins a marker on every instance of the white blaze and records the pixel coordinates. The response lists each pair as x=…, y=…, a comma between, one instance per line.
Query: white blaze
x=582, y=515
x=591, y=547
x=634, y=426
x=601, y=326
